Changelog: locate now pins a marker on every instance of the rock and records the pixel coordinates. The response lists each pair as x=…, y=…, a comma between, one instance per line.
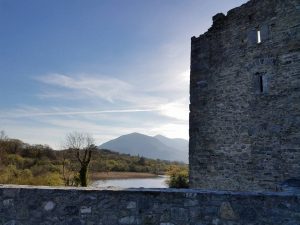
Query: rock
x=131, y=205
x=8, y=202
x=85, y=210
x=12, y=222
x=49, y=206
x=127, y=220
x=226, y=211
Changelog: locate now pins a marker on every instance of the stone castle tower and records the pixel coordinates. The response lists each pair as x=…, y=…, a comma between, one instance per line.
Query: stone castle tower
x=245, y=98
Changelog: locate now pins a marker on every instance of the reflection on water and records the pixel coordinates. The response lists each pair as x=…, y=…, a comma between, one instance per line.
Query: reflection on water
x=158, y=182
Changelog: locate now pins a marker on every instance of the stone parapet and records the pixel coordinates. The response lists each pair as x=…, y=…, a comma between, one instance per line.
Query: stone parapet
x=29, y=205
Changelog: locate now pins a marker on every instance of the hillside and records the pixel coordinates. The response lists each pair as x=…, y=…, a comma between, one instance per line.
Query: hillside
x=157, y=147
x=177, y=143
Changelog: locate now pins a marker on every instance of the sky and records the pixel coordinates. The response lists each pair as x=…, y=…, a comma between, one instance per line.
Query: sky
x=103, y=67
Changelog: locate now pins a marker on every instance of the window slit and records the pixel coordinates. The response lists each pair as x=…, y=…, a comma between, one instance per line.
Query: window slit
x=258, y=36
x=261, y=84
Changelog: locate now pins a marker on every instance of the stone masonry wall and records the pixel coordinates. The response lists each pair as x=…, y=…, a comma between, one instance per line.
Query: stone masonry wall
x=245, y=98
x=53, y=206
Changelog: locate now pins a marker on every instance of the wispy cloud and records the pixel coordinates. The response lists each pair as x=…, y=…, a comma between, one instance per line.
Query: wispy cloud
x=167, y=97
x=95, y=88
x=106, y=88
x=70, y=113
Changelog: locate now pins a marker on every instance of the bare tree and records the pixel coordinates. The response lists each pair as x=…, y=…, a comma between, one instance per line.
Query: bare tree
x=82, y=144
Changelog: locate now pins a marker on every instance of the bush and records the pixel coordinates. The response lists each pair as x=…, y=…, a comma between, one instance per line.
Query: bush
x=179, y=177
x=50, y=179
x=12, y=175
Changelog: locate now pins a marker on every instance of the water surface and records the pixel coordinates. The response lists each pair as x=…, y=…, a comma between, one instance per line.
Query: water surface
x=157, y=182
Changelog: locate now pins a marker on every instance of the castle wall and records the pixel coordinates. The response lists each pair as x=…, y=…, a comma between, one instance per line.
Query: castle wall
x=245, y=98
x=78, y=206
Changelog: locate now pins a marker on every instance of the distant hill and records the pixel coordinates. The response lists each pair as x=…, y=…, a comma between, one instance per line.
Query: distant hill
x=157, y=147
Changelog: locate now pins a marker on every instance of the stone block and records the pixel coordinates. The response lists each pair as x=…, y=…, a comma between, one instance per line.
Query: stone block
x=49, y=206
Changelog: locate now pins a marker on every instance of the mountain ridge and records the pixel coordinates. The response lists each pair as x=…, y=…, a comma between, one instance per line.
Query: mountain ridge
x=156, y=147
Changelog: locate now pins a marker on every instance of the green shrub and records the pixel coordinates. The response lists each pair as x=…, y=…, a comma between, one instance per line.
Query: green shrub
x=179, y=177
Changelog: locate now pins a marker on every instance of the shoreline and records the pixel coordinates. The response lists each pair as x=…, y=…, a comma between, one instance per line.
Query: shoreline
x=120, y=175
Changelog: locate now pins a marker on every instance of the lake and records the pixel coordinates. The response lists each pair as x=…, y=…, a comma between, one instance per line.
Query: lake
x=157, y=182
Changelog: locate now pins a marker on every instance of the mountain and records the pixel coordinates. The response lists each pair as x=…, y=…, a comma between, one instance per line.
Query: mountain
x=178, y=143
x=157, y=147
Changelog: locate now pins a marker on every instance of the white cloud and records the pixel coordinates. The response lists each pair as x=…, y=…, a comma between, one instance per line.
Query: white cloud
x=106, y=88
x=173, y=84
x=97, y=87
x=168, y=94
x=172, y=130
x=35, y=113
x=177, y=109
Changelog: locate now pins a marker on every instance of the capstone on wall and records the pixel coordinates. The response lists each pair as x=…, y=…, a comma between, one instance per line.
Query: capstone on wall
x=59, y=206
x=245, y=98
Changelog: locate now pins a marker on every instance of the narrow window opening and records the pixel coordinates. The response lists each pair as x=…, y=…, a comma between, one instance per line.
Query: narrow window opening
x=258, y=37
x=261, y=84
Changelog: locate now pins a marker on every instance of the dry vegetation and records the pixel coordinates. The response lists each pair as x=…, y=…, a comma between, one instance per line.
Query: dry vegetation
x=21, y=163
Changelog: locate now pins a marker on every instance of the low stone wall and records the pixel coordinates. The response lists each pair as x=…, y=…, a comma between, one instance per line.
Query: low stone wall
x=23, y=205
